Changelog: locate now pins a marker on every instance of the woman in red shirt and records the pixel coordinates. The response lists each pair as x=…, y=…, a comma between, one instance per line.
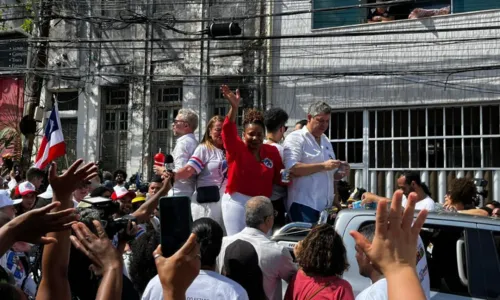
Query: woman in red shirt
x=253, y=166
x=322, y=260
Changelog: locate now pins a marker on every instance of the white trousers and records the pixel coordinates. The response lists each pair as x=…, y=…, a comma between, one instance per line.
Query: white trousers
x=233, y=212
x=210, y=210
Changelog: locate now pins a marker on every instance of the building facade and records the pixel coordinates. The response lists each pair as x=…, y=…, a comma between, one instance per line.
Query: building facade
x=119, y=81
x=411, y=94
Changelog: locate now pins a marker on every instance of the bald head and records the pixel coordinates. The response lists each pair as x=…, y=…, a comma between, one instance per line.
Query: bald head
x=257, y=210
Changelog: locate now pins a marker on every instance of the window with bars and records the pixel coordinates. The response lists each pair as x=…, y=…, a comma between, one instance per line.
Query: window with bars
x=168, y=102
x=435, y=137
x=221, y=106
x=114, y=136
x=69, y=128
x=346, y=131
x=67, y=100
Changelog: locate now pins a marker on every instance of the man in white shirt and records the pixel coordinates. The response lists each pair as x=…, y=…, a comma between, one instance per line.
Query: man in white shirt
x=208, y=284
x=263, y=263
x=185, y=124
x=411, y=182
x=311, y=160
x=378, y=289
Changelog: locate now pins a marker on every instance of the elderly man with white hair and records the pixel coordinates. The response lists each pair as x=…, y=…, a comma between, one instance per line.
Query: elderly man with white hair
x=252, y=259
x=184, y=126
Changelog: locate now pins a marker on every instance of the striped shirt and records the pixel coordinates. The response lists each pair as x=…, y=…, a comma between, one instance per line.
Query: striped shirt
x=210, y=165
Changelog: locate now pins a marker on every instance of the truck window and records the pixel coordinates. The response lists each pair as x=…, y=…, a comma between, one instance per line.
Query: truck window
x=441, y=253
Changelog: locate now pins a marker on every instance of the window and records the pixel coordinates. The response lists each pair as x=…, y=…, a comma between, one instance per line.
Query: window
x=220, y=106
x=69, y=129
x=168, y=102
x=333, y=18
x=333, y=13
x=66, y=100
x=114, y=137
x=170, y=94
x=434, y=138
x=346, y=134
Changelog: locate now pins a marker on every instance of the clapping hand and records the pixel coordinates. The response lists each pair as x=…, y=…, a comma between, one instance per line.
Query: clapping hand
x=178, y=271
x=65, y=184
x=233, y=98
x=31, y=227
x=395, y=241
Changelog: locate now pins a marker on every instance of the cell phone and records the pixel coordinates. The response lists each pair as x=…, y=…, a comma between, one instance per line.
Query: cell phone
x=176, y=223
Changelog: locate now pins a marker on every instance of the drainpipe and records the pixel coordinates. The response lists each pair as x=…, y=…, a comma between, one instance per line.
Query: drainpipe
x=145, y=86
x=269, y=58
x=202, y=50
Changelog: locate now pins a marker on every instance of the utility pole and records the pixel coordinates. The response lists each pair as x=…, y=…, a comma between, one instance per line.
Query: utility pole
x=34, y=80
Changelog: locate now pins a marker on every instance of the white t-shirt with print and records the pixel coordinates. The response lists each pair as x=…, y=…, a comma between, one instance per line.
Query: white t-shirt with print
x=426, y=203
x=210, y=166
x=378, y=290
x=183, y=150
x=207, y=285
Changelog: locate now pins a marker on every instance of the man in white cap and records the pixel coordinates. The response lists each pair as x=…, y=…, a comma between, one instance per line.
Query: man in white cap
x=27, y=191
x=124, y=197
x=7, y=204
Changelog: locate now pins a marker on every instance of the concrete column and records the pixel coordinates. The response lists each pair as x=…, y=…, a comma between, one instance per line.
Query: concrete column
x=460, y=174
x=496, y=186
x=389, y=184
x=441, y=186
x=135, y=129
x=373, y=182
x=424, y=176
x=358, y=178
x=89, y=123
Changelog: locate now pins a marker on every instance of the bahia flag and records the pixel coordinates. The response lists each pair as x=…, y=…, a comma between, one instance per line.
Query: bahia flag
x=53, y=145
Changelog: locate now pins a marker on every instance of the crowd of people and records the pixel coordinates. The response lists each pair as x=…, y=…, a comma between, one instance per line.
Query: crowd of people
x=93, y=235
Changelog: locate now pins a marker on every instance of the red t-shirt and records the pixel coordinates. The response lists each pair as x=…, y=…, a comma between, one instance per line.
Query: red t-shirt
x=303, y=287
x=245, y=174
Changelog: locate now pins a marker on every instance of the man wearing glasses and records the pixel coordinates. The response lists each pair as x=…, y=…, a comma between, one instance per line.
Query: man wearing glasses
x=184, y=125
x=310, y=159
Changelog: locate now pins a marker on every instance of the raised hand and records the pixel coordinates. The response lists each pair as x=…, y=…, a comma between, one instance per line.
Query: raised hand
x=233, y=98
x=98, y=247
x=32, y=226
x=65, y=184
x=178, y=271
x=395, y=241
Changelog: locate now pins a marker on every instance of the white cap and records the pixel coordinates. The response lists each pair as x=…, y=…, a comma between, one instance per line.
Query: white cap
x=48, y=194
x=121, y=192
x=25, y=188
x=5, y=199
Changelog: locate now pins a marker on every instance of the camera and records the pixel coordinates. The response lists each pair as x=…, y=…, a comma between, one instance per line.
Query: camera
x=107, y=208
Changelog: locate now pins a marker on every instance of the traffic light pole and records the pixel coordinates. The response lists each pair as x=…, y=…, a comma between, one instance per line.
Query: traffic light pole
x=34, y=80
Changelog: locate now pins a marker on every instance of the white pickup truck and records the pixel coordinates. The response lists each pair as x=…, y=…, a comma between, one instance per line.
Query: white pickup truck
x=463, y=252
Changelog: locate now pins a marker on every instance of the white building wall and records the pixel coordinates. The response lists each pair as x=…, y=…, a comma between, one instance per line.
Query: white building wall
x=447, y=60
x=384, y=69
x=91, y=68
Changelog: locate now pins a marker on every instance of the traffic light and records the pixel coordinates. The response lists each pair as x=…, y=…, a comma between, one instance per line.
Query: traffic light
x=224, y=29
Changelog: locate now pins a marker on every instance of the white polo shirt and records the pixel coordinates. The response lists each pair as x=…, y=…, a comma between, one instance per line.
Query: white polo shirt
x=315, y=191
x=275, y=261
x=183, y=150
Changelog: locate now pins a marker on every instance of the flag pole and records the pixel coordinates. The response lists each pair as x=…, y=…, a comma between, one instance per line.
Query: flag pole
x=66, y=158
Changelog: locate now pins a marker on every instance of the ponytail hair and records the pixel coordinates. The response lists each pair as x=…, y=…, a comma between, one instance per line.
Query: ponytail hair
x=426, y=189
